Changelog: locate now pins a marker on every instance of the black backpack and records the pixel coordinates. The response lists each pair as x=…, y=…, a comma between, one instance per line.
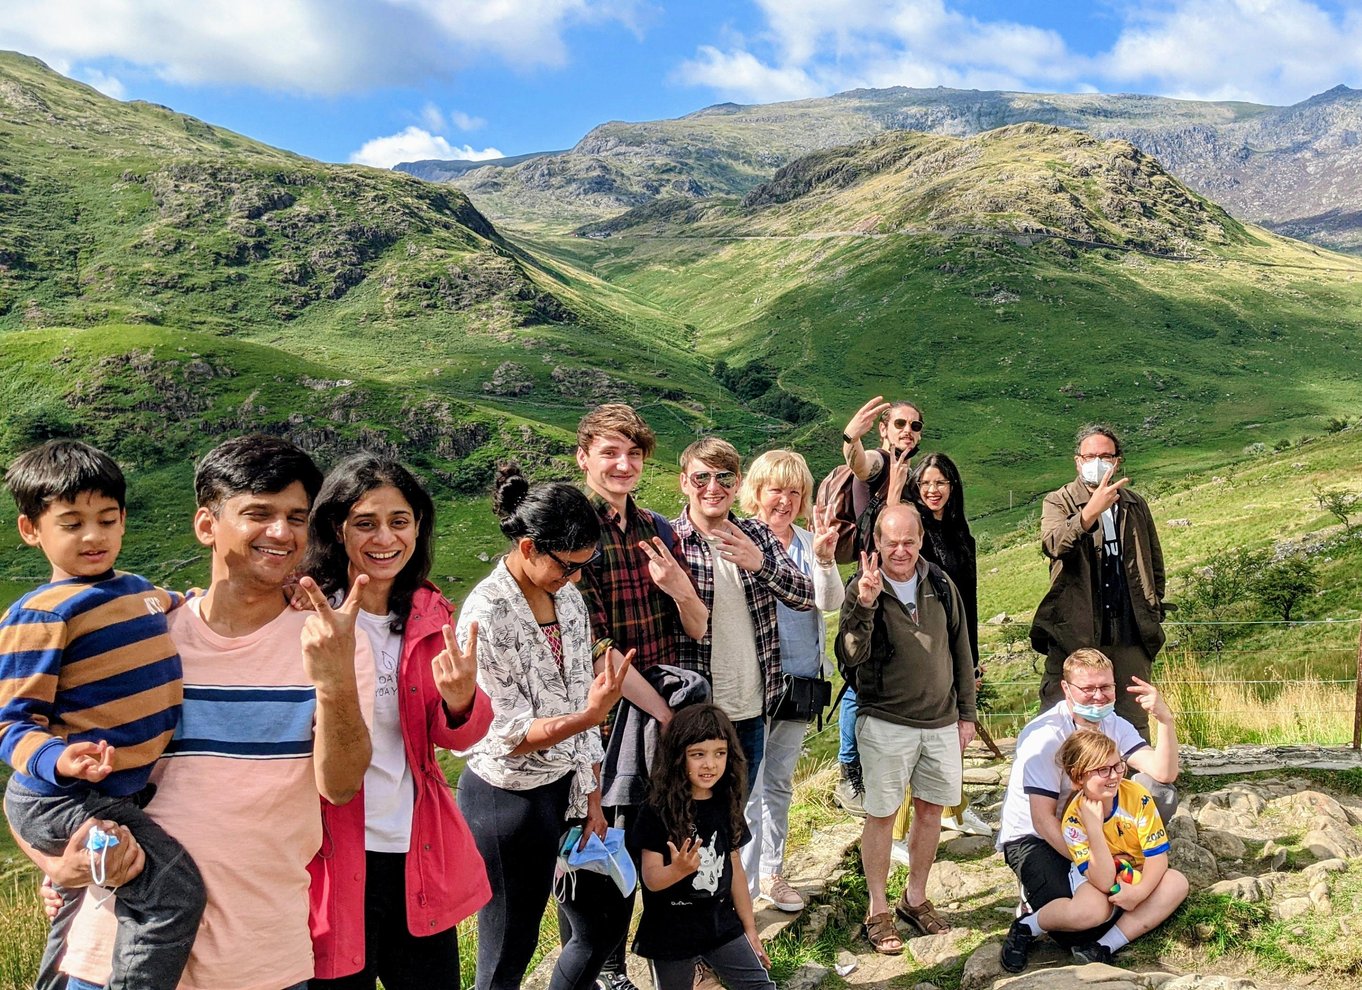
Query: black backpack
x=881, y=649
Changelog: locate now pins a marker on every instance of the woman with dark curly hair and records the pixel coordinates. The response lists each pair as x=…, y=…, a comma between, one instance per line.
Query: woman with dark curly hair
x=398, y=867
x=696, y=906
x=539, y=765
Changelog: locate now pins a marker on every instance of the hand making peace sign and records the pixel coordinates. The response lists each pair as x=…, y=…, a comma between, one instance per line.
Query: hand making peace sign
x=825, y=534
x=871, y=583
x=456, y=670
x=328, y=637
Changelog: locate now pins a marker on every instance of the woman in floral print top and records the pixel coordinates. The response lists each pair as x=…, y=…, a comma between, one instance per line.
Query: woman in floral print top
x=539, y=764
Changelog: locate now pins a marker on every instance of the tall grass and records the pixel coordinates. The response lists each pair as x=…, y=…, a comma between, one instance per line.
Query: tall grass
x=23, y=926
x=1215, y=708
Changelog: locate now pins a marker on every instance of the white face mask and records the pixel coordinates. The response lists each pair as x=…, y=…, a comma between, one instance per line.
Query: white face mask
x=1092, y=472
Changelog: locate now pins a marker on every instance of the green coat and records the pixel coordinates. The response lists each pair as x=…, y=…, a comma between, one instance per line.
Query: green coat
x=1070, y=614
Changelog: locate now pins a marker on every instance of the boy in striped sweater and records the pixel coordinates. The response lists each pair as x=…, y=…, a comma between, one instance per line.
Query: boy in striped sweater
x=90, y=694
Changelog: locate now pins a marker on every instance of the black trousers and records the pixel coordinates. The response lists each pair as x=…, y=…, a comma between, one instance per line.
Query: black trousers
x=403, y=961
x=517, y=833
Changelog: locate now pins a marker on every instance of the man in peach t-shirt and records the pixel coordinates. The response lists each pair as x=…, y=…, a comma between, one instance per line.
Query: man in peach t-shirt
x=272, y=718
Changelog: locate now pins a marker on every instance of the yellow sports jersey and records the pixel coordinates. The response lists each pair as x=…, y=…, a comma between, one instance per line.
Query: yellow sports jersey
x=1134, y=831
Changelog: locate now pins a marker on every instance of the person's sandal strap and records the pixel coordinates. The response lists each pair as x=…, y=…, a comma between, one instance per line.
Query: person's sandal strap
x=923, y=917
x=883, y=934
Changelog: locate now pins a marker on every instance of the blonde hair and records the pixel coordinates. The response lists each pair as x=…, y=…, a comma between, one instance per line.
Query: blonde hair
x=777, y=469
x=616, y=417
x=714, y=451
x=1085, y=658
x=1085, y=750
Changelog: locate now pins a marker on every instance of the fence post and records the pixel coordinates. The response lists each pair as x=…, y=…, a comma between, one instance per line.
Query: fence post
x=1357, y=703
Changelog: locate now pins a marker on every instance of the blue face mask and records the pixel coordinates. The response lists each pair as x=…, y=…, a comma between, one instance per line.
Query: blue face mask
x=1093, y=713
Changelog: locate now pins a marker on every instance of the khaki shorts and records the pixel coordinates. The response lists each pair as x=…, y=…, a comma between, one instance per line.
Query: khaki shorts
x=894, y=757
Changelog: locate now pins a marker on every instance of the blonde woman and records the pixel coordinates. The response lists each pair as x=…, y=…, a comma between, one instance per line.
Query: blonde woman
x=778, y=490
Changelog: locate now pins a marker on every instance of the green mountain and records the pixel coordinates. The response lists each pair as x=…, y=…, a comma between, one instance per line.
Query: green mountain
x=1295, y=169
x=164, y=282
x=1017, y=283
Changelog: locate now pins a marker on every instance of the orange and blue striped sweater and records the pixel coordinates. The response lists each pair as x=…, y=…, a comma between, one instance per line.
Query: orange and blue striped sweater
x=84, y=660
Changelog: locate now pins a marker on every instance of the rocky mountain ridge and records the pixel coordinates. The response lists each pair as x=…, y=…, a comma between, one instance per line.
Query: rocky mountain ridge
x=1296, y=169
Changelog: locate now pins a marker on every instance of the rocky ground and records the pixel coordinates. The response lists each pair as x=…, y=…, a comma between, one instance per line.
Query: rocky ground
x=1283, y=847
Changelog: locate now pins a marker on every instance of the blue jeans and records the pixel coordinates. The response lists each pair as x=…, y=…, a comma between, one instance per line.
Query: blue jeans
x=846, y=726
x=752, y=738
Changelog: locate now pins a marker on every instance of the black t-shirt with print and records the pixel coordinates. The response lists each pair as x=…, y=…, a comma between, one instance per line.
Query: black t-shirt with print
x=696, y=913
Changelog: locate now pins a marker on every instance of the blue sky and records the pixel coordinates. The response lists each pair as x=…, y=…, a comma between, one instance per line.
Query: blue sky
x=379, y=81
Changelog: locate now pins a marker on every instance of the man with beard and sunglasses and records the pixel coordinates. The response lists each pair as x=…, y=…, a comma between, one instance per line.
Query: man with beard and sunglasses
x=741, y=570
x=900, y=431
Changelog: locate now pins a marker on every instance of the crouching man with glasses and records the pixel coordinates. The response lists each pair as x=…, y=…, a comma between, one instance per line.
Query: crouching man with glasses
x=1030, y=837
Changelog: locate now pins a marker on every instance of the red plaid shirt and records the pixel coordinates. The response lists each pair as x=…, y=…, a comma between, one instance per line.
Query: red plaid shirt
x=779, y=578
x=624, y=604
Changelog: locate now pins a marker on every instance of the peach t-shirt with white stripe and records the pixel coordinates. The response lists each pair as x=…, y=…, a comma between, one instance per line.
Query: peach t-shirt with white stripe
x=236, y=787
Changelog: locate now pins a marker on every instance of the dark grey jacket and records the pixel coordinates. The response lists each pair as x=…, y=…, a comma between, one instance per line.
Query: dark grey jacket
x=633, y=737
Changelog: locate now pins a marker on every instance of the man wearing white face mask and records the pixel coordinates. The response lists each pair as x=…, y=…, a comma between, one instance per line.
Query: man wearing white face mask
x=1106, y=574
x=1030, y=836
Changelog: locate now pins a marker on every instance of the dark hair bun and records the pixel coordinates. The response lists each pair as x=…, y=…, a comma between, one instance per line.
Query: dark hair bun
x=510, y=489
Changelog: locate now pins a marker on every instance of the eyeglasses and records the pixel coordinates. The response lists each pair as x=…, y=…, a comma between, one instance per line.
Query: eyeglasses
x=915, y=424
x=571, y=569
x=1096, y=691
x=701, y=479
x=932, y=486
x=1110, y=455
x=1106, y=773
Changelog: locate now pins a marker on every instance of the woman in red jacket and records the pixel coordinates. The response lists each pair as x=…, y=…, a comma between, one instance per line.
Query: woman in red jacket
x=398, y=868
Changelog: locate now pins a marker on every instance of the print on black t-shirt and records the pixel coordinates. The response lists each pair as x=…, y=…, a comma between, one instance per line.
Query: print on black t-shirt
x=696, y=913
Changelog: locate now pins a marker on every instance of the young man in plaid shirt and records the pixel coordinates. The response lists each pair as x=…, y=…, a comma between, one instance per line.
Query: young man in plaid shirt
x=741, y=570
x=641, y=597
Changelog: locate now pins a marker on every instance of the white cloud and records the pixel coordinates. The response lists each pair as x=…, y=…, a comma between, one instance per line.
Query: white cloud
x=1272, y=51
x=413, y=145
x=433, y=118
x=1278, y=51
x=308, y=46
x=466, y=122
x=106, y=84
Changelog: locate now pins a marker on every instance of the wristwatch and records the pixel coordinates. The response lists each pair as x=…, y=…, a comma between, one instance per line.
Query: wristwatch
x=847, y=439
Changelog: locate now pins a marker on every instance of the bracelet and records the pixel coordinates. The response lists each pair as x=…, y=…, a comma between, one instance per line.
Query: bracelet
x=826, y=563
x=600, y=648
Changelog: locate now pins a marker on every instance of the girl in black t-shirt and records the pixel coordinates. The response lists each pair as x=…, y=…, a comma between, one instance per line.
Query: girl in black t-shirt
x=696, y=906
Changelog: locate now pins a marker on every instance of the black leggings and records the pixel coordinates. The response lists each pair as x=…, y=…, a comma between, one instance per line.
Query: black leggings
x=403, y=961
x=517, y=833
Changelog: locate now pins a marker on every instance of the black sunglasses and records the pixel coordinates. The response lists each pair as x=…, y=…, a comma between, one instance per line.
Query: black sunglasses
x=571, y=569
x=915, y=425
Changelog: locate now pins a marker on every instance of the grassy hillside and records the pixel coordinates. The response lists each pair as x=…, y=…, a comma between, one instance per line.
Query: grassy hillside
x=963, y=273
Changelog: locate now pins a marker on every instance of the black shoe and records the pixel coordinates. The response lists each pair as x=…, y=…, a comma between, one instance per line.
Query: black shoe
x=1017, y=946
x=1094, y=952
x=614, y=981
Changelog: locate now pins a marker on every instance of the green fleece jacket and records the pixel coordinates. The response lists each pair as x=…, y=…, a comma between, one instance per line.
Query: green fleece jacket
x=926, y=680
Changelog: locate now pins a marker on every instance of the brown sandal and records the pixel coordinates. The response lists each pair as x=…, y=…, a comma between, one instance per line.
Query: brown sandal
x=923, y=917
x=883, y=934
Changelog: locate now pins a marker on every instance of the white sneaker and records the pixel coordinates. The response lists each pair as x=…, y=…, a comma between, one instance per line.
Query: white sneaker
x=966, y=824
x=783, y=896
x=898, y=852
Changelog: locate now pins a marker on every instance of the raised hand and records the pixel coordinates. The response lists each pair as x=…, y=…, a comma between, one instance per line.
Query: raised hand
x=735, y=545
x=860, y=424
x=1106, y=493
x=664, y=569
x=456, y=670
x=825, y=534
x=608, y=686
x=900, y=465
x=328, y=637
x=871, y=583
x=1148, y=698
x=685, y=860
x=86, y=761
